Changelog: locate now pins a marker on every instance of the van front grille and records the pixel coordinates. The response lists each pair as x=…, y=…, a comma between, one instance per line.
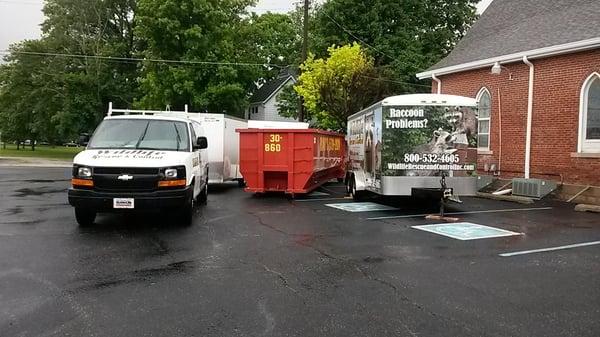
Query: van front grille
x=113, y=179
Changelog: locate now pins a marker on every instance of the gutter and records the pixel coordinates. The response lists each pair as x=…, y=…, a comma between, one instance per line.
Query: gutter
x=529, y=117
x=566, y=48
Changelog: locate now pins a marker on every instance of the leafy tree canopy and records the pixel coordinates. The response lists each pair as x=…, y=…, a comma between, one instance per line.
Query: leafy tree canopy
x=403, y=36
x=338, y=86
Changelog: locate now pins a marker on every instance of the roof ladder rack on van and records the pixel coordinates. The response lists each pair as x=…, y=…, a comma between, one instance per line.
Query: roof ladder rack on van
x=119, y=112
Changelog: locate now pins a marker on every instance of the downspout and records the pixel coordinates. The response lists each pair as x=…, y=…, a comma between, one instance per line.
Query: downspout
x=499, y=132
x=439, y=83
x=529, y=117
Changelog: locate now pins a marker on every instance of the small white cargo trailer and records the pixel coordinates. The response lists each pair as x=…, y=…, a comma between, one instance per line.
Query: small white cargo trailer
x=413, y=145
x=223, y=153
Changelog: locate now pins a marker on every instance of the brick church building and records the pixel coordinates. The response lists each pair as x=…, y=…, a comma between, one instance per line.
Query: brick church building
x=534, y=67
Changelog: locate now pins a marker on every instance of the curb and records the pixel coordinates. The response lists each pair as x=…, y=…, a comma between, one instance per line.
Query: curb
x=511, y=198
x=33, y=162
x=587, y=208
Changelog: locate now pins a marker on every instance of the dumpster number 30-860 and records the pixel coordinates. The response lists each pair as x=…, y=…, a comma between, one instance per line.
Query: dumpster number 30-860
x=274, y=143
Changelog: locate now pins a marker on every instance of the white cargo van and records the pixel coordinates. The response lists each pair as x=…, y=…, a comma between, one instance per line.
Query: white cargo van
x=141, y=163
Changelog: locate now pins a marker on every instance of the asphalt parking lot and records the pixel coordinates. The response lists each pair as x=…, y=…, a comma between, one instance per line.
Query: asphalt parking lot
x=271, y=266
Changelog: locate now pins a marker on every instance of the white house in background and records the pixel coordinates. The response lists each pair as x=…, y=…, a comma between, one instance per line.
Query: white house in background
x=263, y=103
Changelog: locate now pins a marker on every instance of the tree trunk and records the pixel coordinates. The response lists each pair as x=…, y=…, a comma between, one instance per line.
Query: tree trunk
x=33, y=145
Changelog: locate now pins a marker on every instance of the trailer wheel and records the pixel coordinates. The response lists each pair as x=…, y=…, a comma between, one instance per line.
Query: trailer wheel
x=84, y=217
x=356, y=195
x=348, y=186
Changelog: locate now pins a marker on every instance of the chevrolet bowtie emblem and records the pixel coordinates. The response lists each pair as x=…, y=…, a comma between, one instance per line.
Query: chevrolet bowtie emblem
x=125, y=177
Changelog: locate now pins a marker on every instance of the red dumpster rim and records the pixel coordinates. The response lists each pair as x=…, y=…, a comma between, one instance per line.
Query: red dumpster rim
x=317, y=131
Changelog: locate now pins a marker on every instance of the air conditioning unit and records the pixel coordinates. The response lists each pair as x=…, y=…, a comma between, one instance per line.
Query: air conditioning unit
x=533, y=188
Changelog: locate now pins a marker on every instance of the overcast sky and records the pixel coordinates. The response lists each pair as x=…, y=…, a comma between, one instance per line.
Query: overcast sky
x=20, y=19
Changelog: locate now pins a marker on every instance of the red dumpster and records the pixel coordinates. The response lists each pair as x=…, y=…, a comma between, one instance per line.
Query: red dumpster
x=293, y=161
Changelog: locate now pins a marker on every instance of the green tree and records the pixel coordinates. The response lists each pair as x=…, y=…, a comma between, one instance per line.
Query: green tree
x=103, y=28
x=288, y=102
x=195, y=30
x=276, y=39
x=272, y=38
x=336, y=87
x=27, y=95
x=403, y=36
x=51, y=89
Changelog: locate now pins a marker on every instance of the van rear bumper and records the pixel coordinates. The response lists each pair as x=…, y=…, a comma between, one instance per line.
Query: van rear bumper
x=103, y=201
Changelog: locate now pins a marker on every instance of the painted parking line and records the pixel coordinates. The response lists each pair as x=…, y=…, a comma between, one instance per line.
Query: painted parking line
x=551, y=249
x=466, y=231
x=357, y=207
x=461, y=213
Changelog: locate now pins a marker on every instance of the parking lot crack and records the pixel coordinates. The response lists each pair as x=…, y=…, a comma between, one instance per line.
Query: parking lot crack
x=283, y=279
x=304, y=244
x=414, y=304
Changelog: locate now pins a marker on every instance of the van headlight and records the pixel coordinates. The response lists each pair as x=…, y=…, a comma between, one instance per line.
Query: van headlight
x=172, y=177
x=84, y=172
x=170, y=173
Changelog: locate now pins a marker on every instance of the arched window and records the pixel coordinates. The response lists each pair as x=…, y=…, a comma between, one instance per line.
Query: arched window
x=485, y=111
x=589, y=115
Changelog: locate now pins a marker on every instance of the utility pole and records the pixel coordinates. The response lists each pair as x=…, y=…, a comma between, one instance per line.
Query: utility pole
x=304, y=52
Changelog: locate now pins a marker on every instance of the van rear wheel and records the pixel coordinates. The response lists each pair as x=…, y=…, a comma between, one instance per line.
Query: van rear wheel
x=84, y=217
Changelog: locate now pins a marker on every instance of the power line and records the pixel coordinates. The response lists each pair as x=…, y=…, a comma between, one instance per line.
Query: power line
x=132, y=59
x=394, y=81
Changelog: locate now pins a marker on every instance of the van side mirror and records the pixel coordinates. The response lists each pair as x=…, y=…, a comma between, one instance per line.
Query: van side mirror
x=84, y=139
x=201, y=143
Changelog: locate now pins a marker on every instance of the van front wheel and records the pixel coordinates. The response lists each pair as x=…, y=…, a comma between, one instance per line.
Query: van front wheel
x=186, y=212
x=84, y=217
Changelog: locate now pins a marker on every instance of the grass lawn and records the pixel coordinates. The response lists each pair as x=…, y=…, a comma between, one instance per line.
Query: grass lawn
x=47, y=152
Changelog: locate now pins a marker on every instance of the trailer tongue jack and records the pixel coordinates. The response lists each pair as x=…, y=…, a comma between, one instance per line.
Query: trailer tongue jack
x=446, y=194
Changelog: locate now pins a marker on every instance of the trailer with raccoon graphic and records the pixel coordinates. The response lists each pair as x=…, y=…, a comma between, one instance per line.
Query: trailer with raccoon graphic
x=413, y=144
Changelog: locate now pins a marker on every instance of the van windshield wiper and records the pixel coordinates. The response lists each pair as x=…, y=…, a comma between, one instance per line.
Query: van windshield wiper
x=143, y=135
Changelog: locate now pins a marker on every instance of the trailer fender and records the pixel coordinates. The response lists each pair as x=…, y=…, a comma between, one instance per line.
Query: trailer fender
x=360, y=179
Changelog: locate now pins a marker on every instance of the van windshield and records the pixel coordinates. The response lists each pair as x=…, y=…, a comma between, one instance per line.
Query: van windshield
x=142, y=134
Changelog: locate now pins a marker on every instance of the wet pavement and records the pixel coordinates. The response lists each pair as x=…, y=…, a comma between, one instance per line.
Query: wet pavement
x=271, y=266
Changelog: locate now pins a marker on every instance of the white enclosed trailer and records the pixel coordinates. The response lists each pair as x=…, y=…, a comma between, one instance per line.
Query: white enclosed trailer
x=223, y=152
x=409, y=144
